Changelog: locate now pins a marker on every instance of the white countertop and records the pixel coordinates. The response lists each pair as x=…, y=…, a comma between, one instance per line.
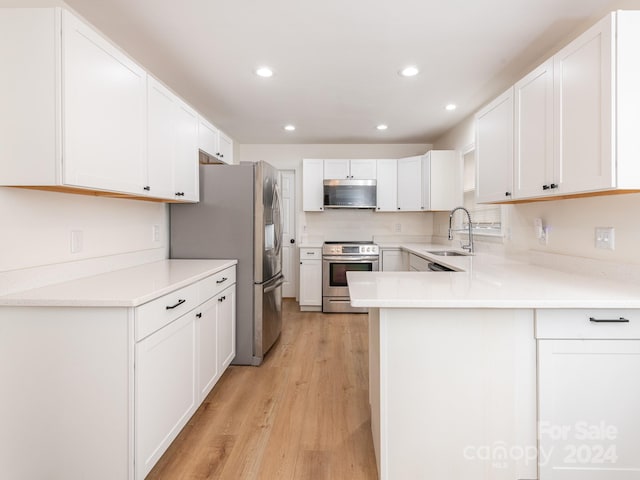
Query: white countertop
x=128, y=287
x=487, y=281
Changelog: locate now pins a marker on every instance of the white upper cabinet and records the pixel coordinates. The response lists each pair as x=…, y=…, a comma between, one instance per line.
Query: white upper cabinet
x=442, y=185
x=350, y=169
x=583, y=91
x=312, y=188
x=214, y=142
x=494, y=150
x=387, y=185
x=104, y=112
x=410, y=184
x=534, y=173
x=172, y=145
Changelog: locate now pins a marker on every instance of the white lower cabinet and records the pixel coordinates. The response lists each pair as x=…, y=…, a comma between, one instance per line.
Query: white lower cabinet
x=394, y=260
x=226, y=335
x=588, y=394
x=166, y=397
x=310, y=297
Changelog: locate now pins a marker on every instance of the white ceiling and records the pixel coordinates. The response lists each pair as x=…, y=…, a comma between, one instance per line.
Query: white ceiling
x=336, y=61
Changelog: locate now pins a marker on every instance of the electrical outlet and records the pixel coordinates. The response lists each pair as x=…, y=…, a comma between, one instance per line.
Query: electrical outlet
x=77, y=241
x=155, y=233
x=605, y=238
x=398, y=227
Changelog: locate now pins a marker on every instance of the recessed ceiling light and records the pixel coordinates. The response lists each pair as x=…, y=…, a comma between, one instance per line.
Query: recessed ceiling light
x=451, y=107
x=410, y=71
x=382, y=126
x=289, y=128
x=265, y=72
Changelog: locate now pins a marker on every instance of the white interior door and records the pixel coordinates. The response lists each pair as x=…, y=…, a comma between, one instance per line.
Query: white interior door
x=288, y=188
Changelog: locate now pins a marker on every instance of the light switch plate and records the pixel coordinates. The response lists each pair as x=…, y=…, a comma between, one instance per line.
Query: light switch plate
x=605, y=238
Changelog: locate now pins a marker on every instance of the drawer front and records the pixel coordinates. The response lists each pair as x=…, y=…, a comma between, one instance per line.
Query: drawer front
x=418, y=263
x=159, y=312
x=214, y=284
x=311, y=253
x=593, y=323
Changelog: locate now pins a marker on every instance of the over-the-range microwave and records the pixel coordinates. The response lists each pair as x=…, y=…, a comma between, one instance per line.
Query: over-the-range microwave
x=349, y=193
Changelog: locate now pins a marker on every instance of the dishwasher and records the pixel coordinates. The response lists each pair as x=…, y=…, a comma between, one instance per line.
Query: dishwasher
x=436, y=267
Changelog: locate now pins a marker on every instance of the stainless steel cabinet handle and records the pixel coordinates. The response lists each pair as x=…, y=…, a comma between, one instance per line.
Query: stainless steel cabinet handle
x=180, y=302
x=609, y=320
x=222, y=280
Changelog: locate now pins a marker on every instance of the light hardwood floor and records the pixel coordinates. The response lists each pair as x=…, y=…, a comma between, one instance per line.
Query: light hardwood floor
x=303, y=414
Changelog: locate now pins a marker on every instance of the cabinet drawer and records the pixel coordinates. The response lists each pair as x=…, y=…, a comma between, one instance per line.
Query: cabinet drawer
x=311, y=253
x=588, y=324
x=418, y=263
x=214, y=284
x=159, y=312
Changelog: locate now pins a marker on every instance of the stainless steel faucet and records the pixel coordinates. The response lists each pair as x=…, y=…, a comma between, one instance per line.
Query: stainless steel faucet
x=468, y=247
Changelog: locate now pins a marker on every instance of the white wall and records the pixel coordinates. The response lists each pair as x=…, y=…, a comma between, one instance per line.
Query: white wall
x=36, y=230
x=348, y=224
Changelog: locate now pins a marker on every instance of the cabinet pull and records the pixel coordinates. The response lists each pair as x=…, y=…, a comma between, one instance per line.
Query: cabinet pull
x=222, y=280
x=609, y=320
x=147, y=188
x=180, y=302
x=507, y=194
x=222, y=299
x=179, y=194
x=199, y=315
x=311, y=253
x=546, y=187
x=553, y=185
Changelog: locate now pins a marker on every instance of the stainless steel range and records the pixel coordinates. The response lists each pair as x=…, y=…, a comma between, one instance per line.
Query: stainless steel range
x=338, y=258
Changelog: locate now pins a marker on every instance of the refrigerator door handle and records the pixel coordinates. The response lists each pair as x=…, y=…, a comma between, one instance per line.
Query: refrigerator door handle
x=277, y=219
x=278, y=282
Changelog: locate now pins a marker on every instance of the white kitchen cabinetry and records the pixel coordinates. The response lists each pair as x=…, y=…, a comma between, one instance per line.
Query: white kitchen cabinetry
x=214, y=142
x=410, y=184
x=121, y=381
x=349, y=169
x=441, y=180
x=418, y=264
x=394, y=260
x=430, y=182
x=534, y=173
x=312, y=187
x=81, y=101
x=494, y=150
x=589, y=426
x=310, y=279
x=172, y=145
x=387, y=185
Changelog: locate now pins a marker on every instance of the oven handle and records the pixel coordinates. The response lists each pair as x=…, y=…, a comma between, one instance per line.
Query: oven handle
x=351, y=259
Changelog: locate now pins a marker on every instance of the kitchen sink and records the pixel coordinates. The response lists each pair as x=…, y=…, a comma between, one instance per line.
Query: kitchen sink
x=448, y=253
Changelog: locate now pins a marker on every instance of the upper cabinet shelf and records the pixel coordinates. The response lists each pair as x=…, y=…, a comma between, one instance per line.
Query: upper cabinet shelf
x=568, y=127
x=83, y=117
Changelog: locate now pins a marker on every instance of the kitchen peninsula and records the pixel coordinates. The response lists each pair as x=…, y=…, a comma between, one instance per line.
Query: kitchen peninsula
x=470, y=369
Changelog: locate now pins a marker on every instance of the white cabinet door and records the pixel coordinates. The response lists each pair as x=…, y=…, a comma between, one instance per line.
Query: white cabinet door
x=208, y=138
x=336, y=169
x=387, y=185
x=442, y=187
x=310, y=278
x=394, y=260
x=207, y=352
x=533, y=143
x=185, y=166
x=410, y=184
x=104, y=104
x=583, y=105
x=494, y=150
x=362, y=169
x=312, y=188
x=226, y=305
x=165, y=389
x=588, y=408
x=226, y=148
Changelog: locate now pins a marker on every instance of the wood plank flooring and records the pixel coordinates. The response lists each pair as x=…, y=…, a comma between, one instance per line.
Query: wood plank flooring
x=303, y=414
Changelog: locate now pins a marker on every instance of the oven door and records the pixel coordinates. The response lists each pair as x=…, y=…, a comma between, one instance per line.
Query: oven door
x=334, y=272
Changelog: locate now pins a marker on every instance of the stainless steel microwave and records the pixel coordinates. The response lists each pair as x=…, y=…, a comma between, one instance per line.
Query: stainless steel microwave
x=350, y=194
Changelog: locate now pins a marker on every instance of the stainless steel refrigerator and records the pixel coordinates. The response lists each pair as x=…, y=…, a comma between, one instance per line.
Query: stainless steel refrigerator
x=239, y=216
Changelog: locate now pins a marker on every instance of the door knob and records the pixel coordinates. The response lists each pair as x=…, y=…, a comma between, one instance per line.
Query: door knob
x=293, y=240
